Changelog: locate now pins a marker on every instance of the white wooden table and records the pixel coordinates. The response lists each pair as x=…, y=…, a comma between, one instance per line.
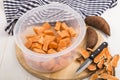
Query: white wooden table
x=10, y=69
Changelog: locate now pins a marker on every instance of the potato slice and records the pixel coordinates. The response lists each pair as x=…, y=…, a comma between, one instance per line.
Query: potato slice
x=53, y=45
x=92, y=67
x=63, y=33
x=57, y=26
x=49, y=32
x=85, y=53
x=64, y=26
x=38, y=30
x=46, y=26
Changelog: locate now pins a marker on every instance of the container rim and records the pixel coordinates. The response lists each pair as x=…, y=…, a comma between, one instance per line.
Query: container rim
x=65, y=51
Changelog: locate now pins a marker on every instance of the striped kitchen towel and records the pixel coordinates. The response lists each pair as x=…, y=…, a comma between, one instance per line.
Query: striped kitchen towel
x=16, y=8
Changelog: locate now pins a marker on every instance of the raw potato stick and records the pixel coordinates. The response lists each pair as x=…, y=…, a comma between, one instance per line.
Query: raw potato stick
x=92, y=38
x=99, y=23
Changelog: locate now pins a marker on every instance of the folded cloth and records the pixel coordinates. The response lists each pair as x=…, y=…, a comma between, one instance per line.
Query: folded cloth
x=14, y=9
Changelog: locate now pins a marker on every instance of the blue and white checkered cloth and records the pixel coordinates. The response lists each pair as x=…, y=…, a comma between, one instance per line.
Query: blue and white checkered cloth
x=16, y=8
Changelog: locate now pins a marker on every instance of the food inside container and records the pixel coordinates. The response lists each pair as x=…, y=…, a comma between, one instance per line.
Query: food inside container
x=56, y=48
x=48, y=39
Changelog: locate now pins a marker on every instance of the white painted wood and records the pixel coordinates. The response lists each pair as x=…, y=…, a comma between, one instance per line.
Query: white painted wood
x=2, y=16
x=113, y=18
x=3, y=36
x=10, y=69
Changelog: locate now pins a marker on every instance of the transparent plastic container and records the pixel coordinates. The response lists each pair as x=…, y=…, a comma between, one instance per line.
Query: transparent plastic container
x=49, y=13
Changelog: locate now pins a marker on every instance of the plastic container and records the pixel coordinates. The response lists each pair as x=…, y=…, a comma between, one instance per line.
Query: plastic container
x=49, y=13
